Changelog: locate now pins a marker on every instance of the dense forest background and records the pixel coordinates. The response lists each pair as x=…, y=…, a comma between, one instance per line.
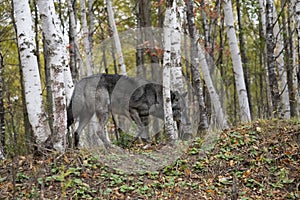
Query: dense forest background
x=264, y=45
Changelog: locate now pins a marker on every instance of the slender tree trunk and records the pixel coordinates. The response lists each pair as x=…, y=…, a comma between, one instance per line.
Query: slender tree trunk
x=75, y=58
x=297, y=73
x=293, y=40
x=91, y=25
x=262, y=5
x=62, y=85
x=30, y=69
x=243, y=53
x=195, y=65
x=36, y=30
x=281, y=63
x=290, y=60
x=176, y=71
x=140, y=47
x=170, y=13
x=86, y=42
x=116, y=36
x=273, y=83
x=237, y=63
x=2, y=113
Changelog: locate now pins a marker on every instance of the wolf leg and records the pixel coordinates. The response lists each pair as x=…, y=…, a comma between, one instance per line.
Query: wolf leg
x=142, y=122
x=102, y=113
x=84, y=118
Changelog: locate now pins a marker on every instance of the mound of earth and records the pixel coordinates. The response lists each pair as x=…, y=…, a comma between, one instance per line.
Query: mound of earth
x=259, y=160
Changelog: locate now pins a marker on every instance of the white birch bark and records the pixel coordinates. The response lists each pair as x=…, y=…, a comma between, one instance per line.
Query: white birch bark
x=270, y=44
x=262, y=5
x=29, y=65
x=86, y=42
x=237, y=63
x=115, y=33
x=212, y=91
x=60, y=75
x=167, y=65
x=285, y=100
x=176, y=69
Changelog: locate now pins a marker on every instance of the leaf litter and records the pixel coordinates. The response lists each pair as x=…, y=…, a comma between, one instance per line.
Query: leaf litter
x=259, y=160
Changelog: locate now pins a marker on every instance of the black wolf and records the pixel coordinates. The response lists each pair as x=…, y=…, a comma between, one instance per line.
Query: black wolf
x=117, y=94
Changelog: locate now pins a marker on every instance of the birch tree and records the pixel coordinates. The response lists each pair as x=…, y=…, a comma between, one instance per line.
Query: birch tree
x=177, y=83
x=237, y=63
x=273, y=83
x=243, y=53
x=115, y=33
x=262, y=5
x=282, y=72
x=195, y=64
x=31, y=76
x=170, y=13
x=292, y=31
x=287, y=20
x=86, y=42
x=75, y=57
x=198, y=58
x=62, y=85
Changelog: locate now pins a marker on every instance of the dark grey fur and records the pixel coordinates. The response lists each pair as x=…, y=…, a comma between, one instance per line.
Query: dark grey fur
x=131, y=97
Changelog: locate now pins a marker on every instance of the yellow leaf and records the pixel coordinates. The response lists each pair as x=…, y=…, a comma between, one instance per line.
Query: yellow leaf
x=246, y=173
x=258, y=129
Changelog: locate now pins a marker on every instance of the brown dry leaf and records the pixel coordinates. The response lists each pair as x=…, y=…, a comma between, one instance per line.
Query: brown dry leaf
x=177, y=189
x=231, y=163
x=187, y=172
x=246, y=173
x=66, y=159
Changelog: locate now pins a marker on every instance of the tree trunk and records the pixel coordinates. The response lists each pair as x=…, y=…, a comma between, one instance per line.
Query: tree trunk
x=297, y=74
x=92, y=24
x=76, y=63
x=195, y=65
x=60, y=75
x=140, y=70
x=170, y=13
x=290, y=59
x=273, y=83
x=116, y=36
x=30, y=69
x=2, y=113
x=243, y=53
x=237, y=63
x=294, y=54
x=281, y=62
x=86, y=42
x=262, y=5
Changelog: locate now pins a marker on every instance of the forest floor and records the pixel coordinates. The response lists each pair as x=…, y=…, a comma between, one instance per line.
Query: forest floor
x=259, y=160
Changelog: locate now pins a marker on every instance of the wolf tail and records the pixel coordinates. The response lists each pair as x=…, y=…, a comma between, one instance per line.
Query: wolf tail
x=70, y=117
